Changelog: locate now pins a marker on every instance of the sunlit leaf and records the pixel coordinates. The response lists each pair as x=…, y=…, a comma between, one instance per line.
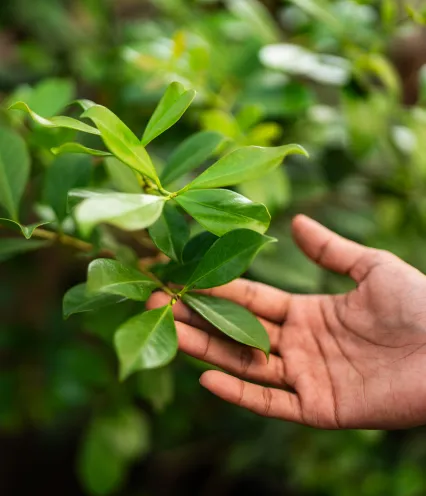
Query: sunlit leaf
x=244, y=164
x=129, y=212
x=78, y=148
x=222, y=210
x=169, y=110
x=26, y=230
x=120, y=140
x=55, y=122
x=110, y=276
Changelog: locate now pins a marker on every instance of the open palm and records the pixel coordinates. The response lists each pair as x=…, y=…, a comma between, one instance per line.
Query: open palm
x=356, y=360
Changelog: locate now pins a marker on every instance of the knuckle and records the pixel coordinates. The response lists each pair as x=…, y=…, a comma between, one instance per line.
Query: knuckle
x=267, y=398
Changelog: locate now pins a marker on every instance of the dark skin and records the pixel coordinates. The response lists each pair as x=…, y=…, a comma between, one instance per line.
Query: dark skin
x=355, y=360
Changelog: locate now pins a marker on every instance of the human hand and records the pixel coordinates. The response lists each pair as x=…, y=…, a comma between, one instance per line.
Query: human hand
x=356, y=360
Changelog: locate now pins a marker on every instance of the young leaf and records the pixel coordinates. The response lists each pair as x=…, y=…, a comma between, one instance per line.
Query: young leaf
x=14, y=170
x=9, y=247
x=64, y=174
x=122, y=177
x=77, y=300
x=127, y=211
x=57, y=121
x=78, y=148
x=191, y=154
x=233, y=320
x=110, y=276
x=244, y=164
x=169, y=110
x=193, y=252
x=146, y=341
x=228, y=258
x=222, y=210
x=27, y=231
x=170, y=233
x=120, y=140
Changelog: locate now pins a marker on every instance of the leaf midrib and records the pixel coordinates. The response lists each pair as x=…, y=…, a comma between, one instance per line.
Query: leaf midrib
x=192, y=283
x=235, y=214
x=220, y=317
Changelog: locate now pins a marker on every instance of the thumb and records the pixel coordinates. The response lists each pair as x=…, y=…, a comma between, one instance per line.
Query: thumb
x=330, y=250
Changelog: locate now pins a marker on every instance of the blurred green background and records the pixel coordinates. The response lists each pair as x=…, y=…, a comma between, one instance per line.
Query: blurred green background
x=344, y=78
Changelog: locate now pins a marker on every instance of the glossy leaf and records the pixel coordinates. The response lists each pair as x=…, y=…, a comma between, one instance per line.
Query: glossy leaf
x=78, y=300
x=191, y=154
x=55, y=122
x=127, y=211
x=78, y=148
x=120, y=140
x=14, y=170
x=9, y=247
x=123, y=178
x=244, y=164
x=27, y=231
x=169, y=110
x=221, y=210
x=146, y=341
x=192, y=254
x=64, y=174
x=228, y=258
x=170, y=233
x=110, y=276
x=233, y=320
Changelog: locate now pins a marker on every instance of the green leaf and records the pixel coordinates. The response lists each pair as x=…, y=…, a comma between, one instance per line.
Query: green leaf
x=51, y=95
x=146, y=341
x=233, y=320
x=190, y=154
x=157, y=387
x=123, y=178
x=228, y=258
x=169, y=110
x=78, y=148
x=222, y=210
x=193, y=252
x=54, y=122
x=120, y=140
x=27, y=231
x=273, y=190
x=110, y=276
x=9, y=247
x=14, y=170
x=77, y=300
x=170, y=233
x=64, y=174
x=127, y=211
x=244, y=164
x=112, y=441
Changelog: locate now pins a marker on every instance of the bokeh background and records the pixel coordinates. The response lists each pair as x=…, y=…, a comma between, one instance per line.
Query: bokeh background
x=344, y=78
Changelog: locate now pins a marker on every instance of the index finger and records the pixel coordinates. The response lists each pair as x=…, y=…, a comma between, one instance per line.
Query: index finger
x=261, y=299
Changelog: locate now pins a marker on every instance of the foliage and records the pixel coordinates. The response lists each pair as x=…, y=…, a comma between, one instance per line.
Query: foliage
x=206, y=93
